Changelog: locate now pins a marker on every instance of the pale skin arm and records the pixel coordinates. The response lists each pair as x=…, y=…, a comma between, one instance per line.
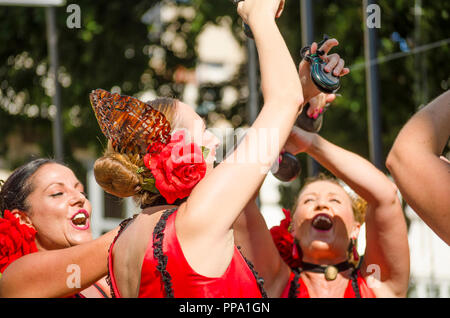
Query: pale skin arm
x=386, y=231
x=415, y=164
x=44, y=274
x=204, y=222
x=253, y=236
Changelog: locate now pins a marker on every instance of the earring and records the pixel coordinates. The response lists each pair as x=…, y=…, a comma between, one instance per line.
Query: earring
x=295, y=250
x=353, y=256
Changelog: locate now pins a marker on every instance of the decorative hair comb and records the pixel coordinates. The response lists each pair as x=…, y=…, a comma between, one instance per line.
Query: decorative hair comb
x=130, y=124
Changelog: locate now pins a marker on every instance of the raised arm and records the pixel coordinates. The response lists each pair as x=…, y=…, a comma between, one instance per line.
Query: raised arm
x=386, y=232
x=218, y=199
x=250, y=229
x=422, y=177
x=204, y=222
x=51, y=274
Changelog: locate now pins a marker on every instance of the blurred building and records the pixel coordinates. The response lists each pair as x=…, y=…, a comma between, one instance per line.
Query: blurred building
x=430, y=260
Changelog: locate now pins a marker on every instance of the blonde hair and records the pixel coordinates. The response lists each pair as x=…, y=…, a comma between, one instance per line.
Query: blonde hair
x=359, y=205
x=121, y=174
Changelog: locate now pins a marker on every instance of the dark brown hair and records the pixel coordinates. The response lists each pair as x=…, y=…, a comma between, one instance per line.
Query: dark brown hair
x=16, y=189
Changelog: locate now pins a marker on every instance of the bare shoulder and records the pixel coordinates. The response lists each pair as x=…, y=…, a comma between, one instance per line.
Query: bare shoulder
x=129, y=251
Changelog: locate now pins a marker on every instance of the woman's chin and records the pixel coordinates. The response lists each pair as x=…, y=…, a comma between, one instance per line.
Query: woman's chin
x=322, y=249
x=320, y=245
x=317, y=245
x=80, y=238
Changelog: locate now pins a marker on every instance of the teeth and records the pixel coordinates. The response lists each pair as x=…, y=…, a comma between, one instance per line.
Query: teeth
x=322, y=222
x=323, y=218
x=79, y=219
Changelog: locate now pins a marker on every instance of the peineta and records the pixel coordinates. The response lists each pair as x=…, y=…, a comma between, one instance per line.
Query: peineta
x=130, y=125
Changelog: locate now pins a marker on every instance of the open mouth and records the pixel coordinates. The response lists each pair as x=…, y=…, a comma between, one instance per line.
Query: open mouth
x=322, y=222
x=80, y=220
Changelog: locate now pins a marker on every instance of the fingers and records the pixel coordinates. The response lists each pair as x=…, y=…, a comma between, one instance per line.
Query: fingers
x=330, y=98
x=336, y=64
x=316, y=105
x=345, y=71
x=328, y=45
x=319, y=103
x=333, y=61
x=313, y=48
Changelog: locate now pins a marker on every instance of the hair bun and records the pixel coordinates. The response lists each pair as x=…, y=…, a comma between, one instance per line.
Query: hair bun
x=117, y=176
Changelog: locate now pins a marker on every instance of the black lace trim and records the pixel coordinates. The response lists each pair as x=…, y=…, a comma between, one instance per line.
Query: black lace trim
x=354, y=277
x=295, y=284
x=158, y=254
x=122, y=226
x=259, y=280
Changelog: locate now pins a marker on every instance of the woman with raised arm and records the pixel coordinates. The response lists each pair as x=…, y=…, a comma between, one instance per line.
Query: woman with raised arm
x=46, y=245
x=419, y=170
x=315, y=255
x=181, y=244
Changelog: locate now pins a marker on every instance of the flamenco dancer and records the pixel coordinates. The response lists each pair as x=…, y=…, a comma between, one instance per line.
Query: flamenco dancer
x=45, y=236
x=181, y=244
x=314, y=254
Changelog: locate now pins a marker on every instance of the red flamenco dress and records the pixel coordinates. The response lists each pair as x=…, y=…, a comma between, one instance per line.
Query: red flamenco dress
x=356, y=288
x=296, y=288
x=166, y=272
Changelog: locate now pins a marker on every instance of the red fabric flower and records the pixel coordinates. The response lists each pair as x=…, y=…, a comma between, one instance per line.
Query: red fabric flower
x=153, y=150
x=16, y=240
x=177, y=167
x=284, y=241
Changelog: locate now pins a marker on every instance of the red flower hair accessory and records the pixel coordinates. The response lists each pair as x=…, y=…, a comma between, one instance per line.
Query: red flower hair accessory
x=16, y=240
x=284, y=242
x=177, y=167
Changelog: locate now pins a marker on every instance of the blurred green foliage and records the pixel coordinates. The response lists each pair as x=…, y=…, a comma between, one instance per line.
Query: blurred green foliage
x=406, y=83
x=114, y=48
